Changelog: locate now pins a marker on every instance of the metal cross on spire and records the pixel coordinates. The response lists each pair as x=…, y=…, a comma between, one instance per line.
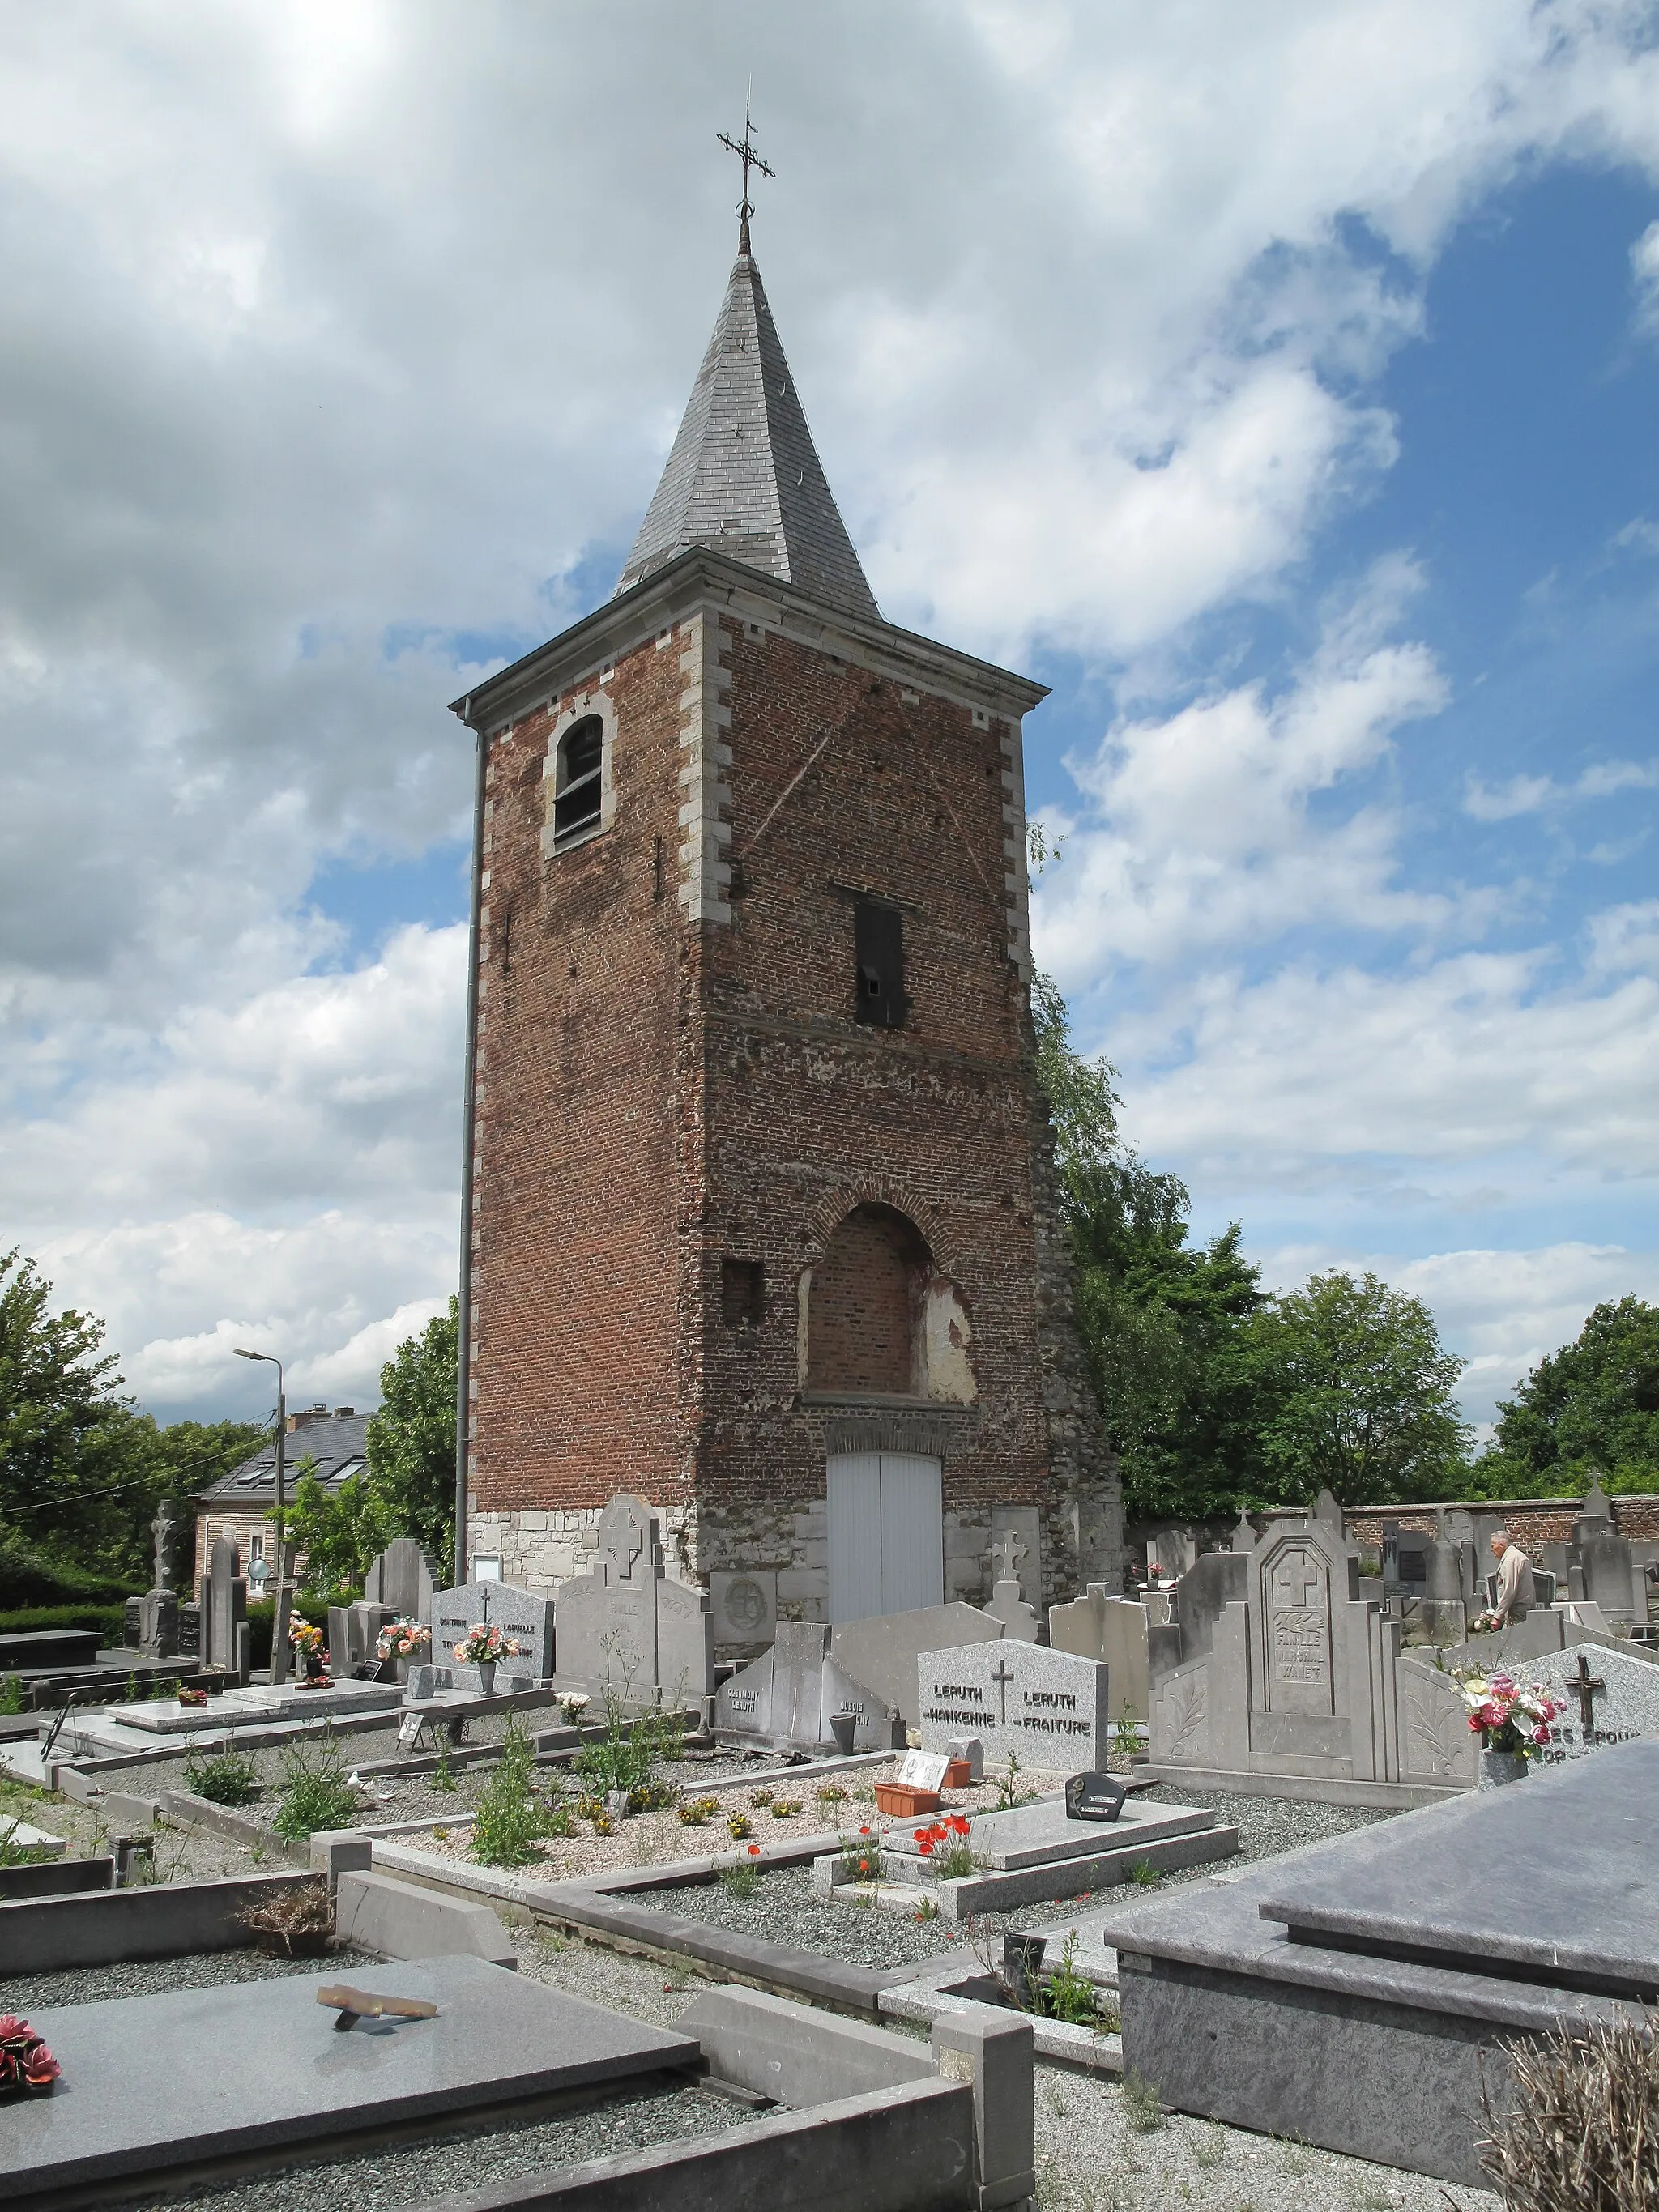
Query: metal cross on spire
x=745, y=151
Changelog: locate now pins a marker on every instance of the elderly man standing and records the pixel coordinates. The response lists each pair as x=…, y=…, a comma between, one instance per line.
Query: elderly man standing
x=1515, y=1595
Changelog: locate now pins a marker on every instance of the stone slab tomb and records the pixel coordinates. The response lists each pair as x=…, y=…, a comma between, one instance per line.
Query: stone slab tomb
x=1047, y=1707
x=1275, y=1666
x=787, y=1699
x=1352, y=1995
x=627, y=1627
x=147, y=2093
x=882, y=1651
x=519, y=1613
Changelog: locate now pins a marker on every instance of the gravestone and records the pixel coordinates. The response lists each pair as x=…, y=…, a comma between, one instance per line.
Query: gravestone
x=1115, y=1631
x=224, y=1630
x=1608, y=1563
x=1274, y=1666
x=401, y=1581
x=744, y=1607
x=1048, y=1707
x=882, y=1651
x=190, y=1630
x=158, y=1612
x=1007, y=1603
x=353, y=1631
x=627, y=1627
x=1025, y=1524
x=1441, y=1616
x=1611, y=1697
x=785, y=1699
x=517, y=1612
x=131, y=1622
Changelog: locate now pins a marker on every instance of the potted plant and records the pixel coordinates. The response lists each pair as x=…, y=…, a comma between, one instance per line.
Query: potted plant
x=1512, y=1720
x=484, y=1647
x=307, y=1641
x=403, y=1643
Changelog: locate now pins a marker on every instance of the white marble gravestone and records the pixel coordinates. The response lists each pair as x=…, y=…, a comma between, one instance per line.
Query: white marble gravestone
x=1048, y=1707
x=627, y=1627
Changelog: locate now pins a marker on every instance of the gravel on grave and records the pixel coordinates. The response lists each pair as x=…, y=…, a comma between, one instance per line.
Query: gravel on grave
x=415, y=2173
x=27, y=1994
x=784, y=1907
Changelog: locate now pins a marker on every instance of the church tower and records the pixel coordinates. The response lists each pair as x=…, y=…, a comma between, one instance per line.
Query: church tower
x=763, y=1218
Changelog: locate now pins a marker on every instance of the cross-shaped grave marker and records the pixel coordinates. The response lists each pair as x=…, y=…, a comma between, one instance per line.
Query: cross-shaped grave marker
x=1584, y=1689
x=1002, y=1675
x=1296, y=1573
x=1008, y=1550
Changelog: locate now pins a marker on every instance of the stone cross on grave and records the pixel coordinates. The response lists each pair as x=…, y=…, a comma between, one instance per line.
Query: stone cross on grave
x=625, y=1540
x=1294, y=1576
x=1584, y=1689
x=1002, y=1675
x=163, y=1528
x=1008, y=1550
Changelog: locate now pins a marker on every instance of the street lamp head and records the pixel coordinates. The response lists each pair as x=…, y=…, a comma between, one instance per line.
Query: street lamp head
x=241, y=1354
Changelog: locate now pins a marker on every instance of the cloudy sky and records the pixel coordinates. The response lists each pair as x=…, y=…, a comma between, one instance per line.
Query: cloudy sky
x=1277, y=382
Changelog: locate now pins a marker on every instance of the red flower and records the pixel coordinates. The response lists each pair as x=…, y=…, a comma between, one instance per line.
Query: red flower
x=864, y=1832
x=754, y=1851
x=921, y=1835
x=926, y=1847
x=961, y=1825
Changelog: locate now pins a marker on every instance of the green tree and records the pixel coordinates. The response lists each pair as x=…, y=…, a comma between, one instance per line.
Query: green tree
x=411, y=1440
x=1590, y=1409
x=1354, y=1392
x=339, y=1532
x=1160, y=1320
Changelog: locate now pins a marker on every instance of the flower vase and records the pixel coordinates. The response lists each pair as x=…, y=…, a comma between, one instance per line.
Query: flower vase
x=486, y=1677
x=403, y=1667
x=1498, y=1768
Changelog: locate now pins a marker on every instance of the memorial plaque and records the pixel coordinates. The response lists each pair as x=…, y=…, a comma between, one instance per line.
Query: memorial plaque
x=1094, y=1797
x=1297, y=1607
x=1048, y=1707
x=923, y=1770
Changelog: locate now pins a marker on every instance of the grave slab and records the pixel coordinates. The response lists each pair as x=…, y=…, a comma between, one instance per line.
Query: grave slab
x=1039, y=1834
x=145, y=2091
x=234, y=1708
x=1416, y=1951
x=19, y=1836
x=1048, y=1708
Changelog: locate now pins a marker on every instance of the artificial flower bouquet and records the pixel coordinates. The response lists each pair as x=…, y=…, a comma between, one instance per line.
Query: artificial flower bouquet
x=27, y=2067
x=1483, y=1623
x=1506, y=1715
x=573, y=1704
x=401, y=1639
x=484, y=1645
x=304, y=1635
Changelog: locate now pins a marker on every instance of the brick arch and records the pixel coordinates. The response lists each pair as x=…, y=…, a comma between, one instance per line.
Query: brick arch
x=825, y=1218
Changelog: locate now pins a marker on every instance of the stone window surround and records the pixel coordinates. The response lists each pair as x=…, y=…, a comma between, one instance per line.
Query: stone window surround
x=588, y=704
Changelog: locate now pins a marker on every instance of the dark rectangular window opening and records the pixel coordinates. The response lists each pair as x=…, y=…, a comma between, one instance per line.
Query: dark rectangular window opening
x=878, y=954
x=743, y=1292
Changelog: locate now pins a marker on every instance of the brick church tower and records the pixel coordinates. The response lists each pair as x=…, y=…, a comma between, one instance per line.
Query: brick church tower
x=763, y=1218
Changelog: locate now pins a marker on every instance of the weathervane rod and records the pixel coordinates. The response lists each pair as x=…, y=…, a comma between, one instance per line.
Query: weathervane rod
x=747, y=153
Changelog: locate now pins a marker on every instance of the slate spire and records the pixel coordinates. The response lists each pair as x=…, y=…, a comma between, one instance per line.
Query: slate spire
x=745, y=476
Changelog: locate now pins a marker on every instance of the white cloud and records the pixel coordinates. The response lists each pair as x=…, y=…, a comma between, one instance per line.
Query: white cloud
x=1201, y=831
x=339, y=336
x=1644, y=276
x=1534, y=795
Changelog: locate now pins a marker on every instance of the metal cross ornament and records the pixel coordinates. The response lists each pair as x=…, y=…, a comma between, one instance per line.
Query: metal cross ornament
x=745, y=151
x=1585, y=1688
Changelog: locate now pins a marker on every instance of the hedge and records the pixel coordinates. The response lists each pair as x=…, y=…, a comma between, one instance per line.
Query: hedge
x=110, y=1620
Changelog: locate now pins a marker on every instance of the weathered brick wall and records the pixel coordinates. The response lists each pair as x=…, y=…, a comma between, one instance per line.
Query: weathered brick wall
x=1530, y=1521
x=670, y=1077
x=863, y=1317
x=576, y=1332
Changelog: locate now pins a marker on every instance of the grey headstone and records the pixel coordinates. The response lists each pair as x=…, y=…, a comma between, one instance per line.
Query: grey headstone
x=1625, y=1705
x=1019, y=1621
x=401, y=1580
x=786, y=1698
x=1049, y=1707
x=190, y=1631
x=744, y=1606
x=882, y=1651
x=224, y=1604
x=517, y=1612
x=626, y=1627
x=1025, y=1524
x=1116, y=1631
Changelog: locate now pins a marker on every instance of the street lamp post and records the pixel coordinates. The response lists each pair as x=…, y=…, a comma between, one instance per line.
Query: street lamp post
x=279, y=1615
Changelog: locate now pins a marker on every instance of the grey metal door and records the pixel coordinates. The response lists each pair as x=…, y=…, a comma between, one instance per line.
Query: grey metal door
x=886, y=1534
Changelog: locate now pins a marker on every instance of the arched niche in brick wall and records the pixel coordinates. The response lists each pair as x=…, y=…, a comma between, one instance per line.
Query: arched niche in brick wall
x=880, y=1319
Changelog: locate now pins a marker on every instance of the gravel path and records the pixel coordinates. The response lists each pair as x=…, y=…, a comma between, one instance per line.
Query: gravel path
x=415, y=2173
x=28, y=1994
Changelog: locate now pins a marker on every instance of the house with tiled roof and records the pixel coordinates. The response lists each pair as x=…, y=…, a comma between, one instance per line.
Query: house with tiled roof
x=237, y=1504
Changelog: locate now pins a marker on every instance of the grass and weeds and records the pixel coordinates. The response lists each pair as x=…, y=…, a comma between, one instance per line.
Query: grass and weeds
x=229, y=1777
x=316, y=1793
x=508, y=1823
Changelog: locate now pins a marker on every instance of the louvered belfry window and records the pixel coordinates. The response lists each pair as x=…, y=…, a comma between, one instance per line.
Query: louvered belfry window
x=578, y=780
x=878, y=953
